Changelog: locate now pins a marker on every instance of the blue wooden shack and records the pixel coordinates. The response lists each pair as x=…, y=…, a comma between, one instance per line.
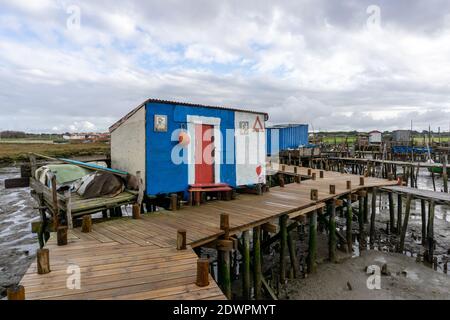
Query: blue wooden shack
x=176, y=144
x=286, y=136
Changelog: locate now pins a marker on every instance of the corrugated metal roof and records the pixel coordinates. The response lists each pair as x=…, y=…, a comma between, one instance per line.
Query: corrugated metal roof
x=132, y=112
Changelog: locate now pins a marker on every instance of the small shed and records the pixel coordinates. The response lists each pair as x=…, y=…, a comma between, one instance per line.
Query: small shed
x=286, y=136
x=401, y=136
x=175, y=144
x=375, y=137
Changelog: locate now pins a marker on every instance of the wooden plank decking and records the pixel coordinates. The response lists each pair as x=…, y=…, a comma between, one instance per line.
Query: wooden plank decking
x=136, y=259
x=439, y=197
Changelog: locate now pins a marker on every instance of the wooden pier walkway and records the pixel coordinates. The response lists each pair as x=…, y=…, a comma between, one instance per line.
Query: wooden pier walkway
x=438, y=197
x=137, y=259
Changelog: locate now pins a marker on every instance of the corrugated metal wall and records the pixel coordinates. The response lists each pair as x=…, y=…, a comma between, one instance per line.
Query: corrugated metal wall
x=289, y=137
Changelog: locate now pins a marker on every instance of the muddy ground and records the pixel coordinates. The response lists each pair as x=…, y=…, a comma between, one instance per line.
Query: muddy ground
x=17, y=243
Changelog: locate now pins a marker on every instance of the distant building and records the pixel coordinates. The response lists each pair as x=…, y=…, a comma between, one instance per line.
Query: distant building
x=375, y=137
x=362, y=139
x=402, y=136
x=97, y=137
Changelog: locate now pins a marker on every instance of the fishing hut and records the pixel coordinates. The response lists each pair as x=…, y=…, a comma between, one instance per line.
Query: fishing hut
x=190, y=151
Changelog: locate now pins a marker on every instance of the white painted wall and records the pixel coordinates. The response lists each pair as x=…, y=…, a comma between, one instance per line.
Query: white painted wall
x=128, y=145
x=375, y=137
x=250, y=150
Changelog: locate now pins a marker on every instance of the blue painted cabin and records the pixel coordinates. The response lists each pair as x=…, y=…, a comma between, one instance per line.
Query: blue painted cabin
x=170, y=142
x=284, y=137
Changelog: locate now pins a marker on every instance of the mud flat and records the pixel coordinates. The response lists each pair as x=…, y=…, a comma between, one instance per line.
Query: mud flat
x=406, y=279
x=17, y=243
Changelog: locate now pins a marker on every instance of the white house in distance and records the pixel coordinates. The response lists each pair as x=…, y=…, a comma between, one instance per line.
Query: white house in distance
x=374, y=137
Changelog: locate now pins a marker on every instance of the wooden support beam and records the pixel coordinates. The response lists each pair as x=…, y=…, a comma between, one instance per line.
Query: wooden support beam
x=295, y=170
x=313, y=176
x=281, y=180
x=246, y=265
x=136, y=211
x=270, y=227
x=399, y=213
x=430, y=232
x=332, y=232
x=372, y=218
x=61, y=237
x=424, y=221
x=174, y=202
x=202, y=272
x=225, y=225
x=68, y=196
x=349, y=220
x=55, y=207
x=283, y=247
x=15, y=292
x=43, y=261
x=391, y=212
x=321, y=174
x=362, y=233
x=181, y=239
x=86, y=224
x=405, y=224
x=309, y=171
x=257, y=268
x=224, y=262
x=293, y=254
x=312, y=250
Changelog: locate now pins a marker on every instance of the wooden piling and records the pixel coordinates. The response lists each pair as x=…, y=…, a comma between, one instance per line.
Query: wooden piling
x=181, y=239
x=225, y=225
x=312, y=250
x=332, y=232
x=349, y=224
x=202, y=272
x=173, y=202
x=321, y=174
x=283, y=247
x=424, y=221
x=293, y=255
x=86, y=225
x=405, y=224
x=257, y=273
x=15, y=292
x=366, y=208
x=372, y=218
x=430, y=232
x=349, y=184
x=61, y=236
x=136, y=210
x=43, y=261
x=224, y=262
x=362, y=236
x=399, y=213
x=444, y=174
x=313, y=176
x=314, y=194
x=246, y=265
x=55, y=206
x=361, y=181
x=391, y=212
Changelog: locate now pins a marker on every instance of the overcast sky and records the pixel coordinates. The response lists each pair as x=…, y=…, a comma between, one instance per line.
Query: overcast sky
x=343, y=65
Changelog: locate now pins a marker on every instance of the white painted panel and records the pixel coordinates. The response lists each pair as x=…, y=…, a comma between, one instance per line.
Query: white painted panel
x=191, y=122
x=250, y=148
x=128, y=145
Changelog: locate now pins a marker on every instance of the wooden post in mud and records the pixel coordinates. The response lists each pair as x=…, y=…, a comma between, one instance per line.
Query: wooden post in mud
x=372, y=218
x=257, y=274
x=283, y=247
x=424, y=221
x=399, y=213
x=362, y=236
x=246, y=265
x=430, y=232
x=444, y=174
x=332, y=232
x=391, y=212
x=312, y=250
x=366, y=208
x=202, y=272
x=405, y=224
x=349, y=224
x=16, y=292
x=43, y=261
x=292, y=254
x=224, y=261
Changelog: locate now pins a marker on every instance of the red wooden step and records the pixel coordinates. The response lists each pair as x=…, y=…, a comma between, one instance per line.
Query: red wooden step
x=208, y=185
x=218, y=189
